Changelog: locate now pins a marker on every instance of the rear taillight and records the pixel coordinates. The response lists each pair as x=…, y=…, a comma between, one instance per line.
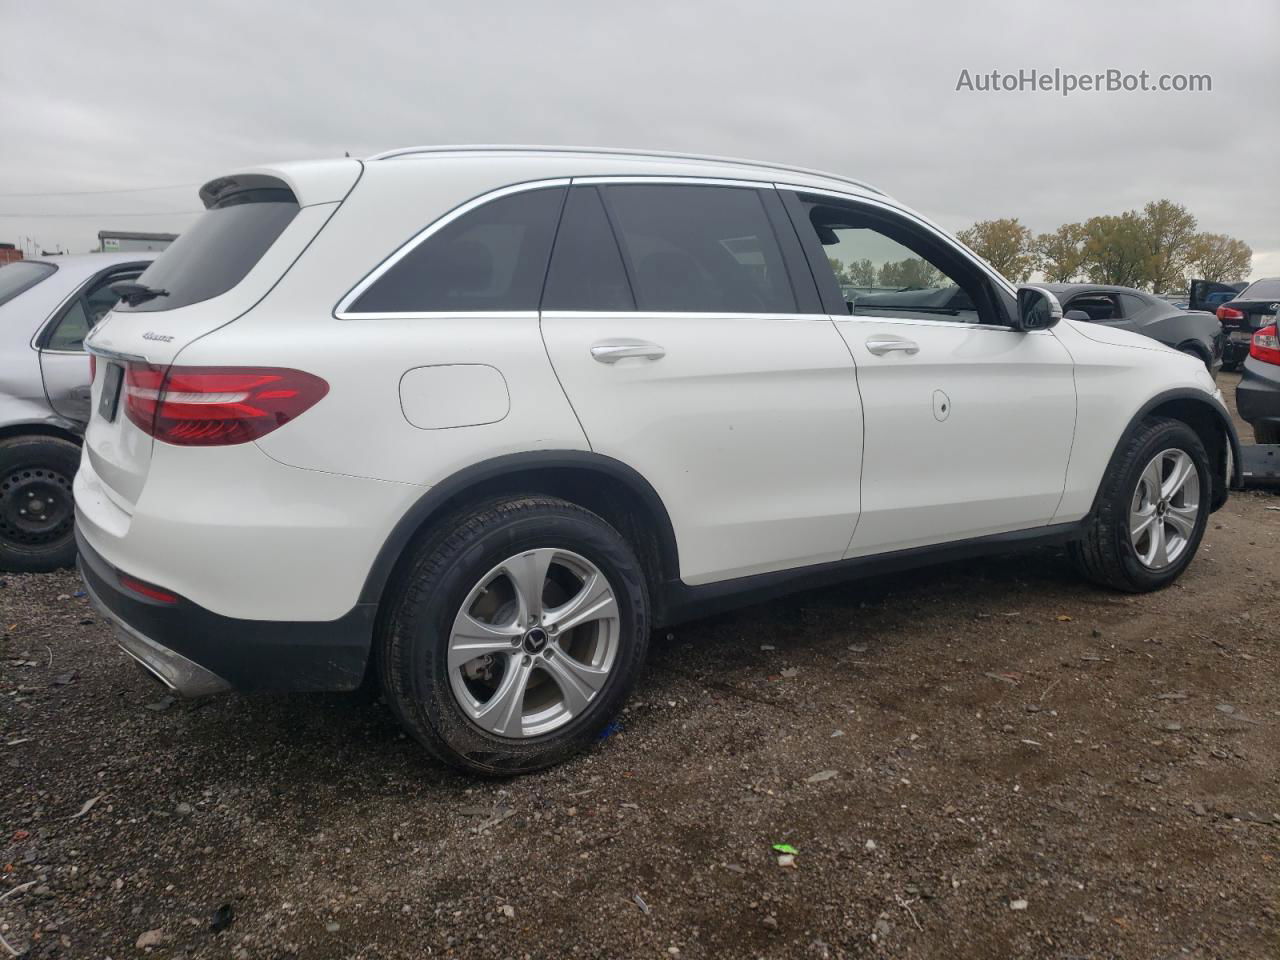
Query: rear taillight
x=93, y=368
x=1265, y=345
x=216, y=406
x=1229, y=313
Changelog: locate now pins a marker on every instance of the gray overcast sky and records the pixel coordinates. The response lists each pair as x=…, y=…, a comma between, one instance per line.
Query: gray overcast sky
x=99, y=95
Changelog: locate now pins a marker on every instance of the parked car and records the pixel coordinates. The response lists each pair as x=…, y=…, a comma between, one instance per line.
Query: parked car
x=1258, y=394
x=1124, y=308
x=591, y=394
x=47, y=306
x=1244, y=314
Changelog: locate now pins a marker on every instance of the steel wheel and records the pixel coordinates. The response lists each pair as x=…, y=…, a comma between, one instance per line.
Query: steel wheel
x=533, y=643
x=36, y=506
x=1165, y=507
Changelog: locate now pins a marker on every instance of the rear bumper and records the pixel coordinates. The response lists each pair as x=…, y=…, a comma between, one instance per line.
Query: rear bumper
x=1258, y=395
x=196, y=652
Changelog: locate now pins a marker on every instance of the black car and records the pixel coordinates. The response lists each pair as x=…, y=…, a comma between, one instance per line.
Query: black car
x=1242, y=315
x=1258, y=395
x=1194, y=332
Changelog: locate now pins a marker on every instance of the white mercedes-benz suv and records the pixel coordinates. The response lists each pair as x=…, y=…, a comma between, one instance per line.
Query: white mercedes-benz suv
x=471, y=422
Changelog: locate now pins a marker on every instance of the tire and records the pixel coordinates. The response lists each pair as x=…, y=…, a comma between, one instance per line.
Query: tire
x=39, y=471
x=462, y=568
x=1108, y=554
x=1191, y=351
x=1266, y=433
x=1230, y=367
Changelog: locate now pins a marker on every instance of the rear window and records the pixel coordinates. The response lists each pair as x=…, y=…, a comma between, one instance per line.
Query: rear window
x=15, y=278
x=1261, y=290
x=216, y=254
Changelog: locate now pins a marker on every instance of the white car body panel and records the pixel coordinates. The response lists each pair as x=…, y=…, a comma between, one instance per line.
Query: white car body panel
x=994, y=460
x=750, y=428
x=1116, y=373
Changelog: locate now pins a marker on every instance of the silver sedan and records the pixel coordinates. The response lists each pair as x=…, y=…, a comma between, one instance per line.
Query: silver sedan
x=47, y=307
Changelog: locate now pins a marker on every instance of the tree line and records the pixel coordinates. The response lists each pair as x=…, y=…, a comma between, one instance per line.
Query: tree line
x=1157, y=249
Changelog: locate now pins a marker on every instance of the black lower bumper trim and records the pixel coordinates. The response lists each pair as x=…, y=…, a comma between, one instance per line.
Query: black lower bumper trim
x=251, y=655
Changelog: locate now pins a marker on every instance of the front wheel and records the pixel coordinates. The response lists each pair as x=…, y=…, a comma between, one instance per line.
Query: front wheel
x=37, y=512
x=517, y=632
x=1151, y=512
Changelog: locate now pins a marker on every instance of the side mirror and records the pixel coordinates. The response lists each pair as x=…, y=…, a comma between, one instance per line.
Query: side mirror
x=1077, y=315
x=1038, y=309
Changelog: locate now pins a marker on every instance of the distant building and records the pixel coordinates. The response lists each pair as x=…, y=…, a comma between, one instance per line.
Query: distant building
x=113, y=241
x=9, y=252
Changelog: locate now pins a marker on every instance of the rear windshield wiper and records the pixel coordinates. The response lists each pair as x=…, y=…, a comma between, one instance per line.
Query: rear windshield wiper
x=133, y=293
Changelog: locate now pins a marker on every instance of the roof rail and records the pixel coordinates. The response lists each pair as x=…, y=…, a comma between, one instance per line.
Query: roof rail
x=620, y=152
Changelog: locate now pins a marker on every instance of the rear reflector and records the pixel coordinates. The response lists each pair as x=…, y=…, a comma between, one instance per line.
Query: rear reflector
x=1265, y=345
x=216, y=406
x=146, y=590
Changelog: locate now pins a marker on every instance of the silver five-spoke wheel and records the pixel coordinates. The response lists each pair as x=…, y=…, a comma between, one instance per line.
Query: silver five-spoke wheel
x=533, y=643
x=1166, y=504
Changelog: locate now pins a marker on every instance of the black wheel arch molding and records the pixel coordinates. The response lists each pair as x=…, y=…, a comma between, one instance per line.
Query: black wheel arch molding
x=538, y=471
x=1176, y=404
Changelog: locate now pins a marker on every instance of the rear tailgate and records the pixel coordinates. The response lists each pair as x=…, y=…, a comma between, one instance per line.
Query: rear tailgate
x=256, y=226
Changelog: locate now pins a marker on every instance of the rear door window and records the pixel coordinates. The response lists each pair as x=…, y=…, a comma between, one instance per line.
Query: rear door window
x=219, y=250
x=84, y=312
x=694, y=248
x=586, y=271
x=491, y=259
x=16, y=278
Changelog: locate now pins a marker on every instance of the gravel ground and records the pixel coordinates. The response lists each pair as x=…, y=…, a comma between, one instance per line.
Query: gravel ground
x=986, y=759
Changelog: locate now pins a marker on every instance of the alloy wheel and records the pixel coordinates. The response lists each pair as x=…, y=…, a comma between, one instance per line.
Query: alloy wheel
x=533, y=643
x=1164, y=510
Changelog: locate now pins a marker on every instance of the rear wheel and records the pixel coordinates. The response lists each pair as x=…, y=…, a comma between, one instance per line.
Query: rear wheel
x=37, y=512
x=516, y=634
x=1152, y=510
x=1199, y=354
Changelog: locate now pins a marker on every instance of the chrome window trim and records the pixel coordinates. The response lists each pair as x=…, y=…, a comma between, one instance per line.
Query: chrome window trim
x=443, y=315
x=920, y=322
x=920, y=221
x=343, y=312
x=676, y=314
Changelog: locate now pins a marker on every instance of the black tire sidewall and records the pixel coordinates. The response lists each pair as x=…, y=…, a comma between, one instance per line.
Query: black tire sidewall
x=47, y=453
x=1170, y=435
x=424, y=621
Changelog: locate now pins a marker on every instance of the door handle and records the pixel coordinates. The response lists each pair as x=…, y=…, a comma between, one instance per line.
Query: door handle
x=882, y=345
x=611, y=351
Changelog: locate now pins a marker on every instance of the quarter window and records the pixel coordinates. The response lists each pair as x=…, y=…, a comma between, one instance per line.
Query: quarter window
x=699, y=249
x=492, y=259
